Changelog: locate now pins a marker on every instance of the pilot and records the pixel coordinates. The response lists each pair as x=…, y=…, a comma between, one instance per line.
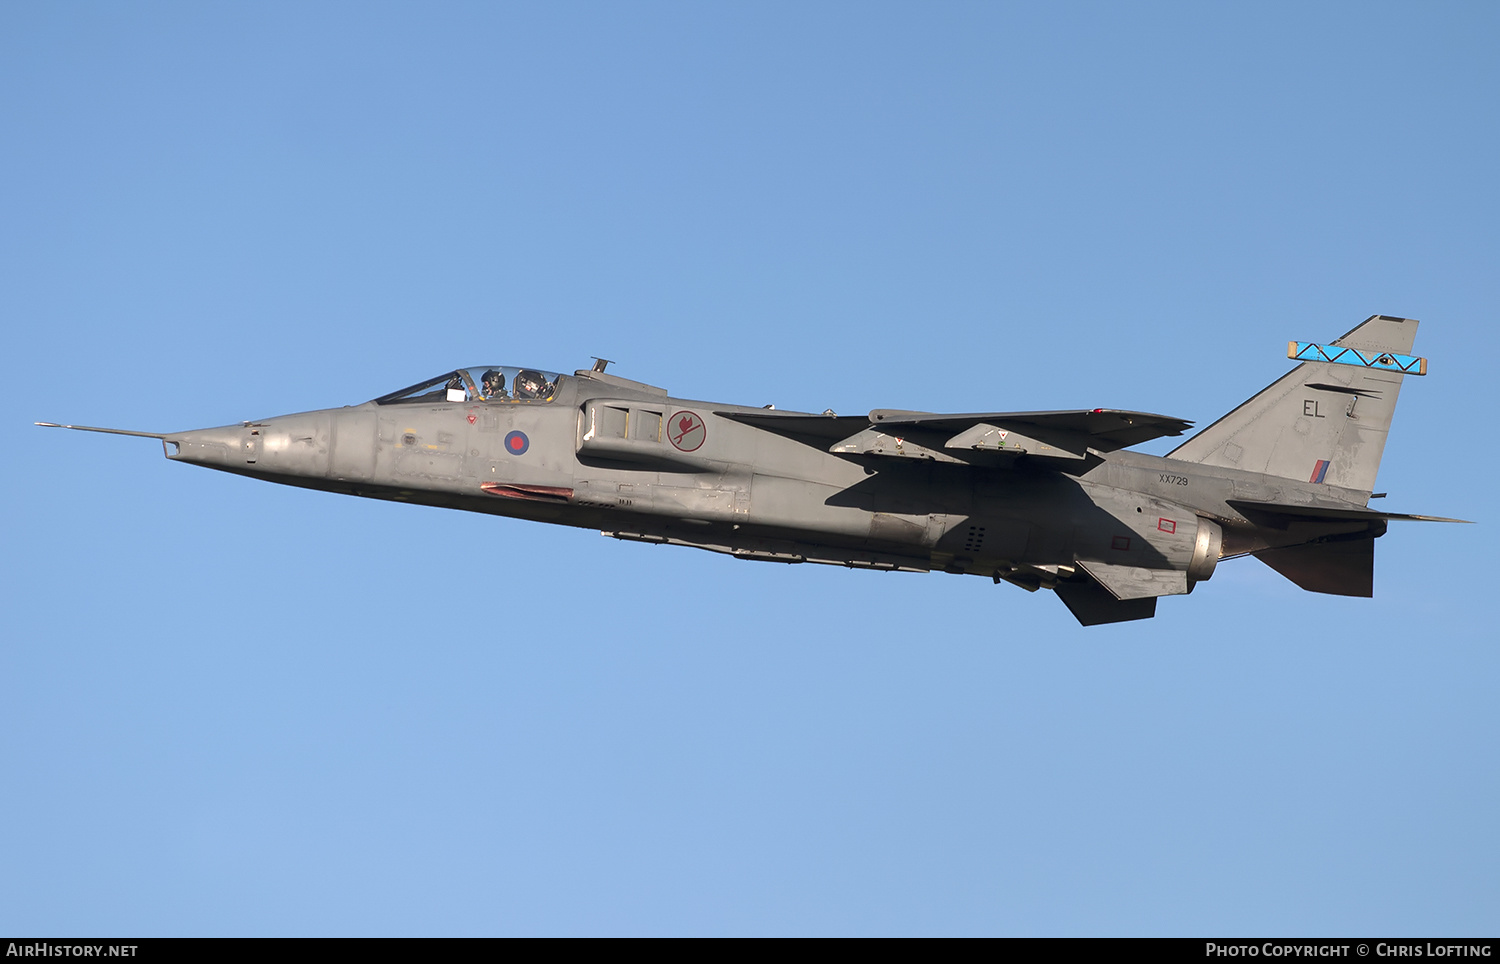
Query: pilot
x=494, y=384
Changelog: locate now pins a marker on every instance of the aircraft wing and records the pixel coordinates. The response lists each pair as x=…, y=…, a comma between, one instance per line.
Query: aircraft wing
x=816, y=430
x=1100, y=428
x=1105, y=429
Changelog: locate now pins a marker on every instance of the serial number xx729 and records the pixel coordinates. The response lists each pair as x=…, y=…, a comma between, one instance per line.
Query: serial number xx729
x=1174, y=479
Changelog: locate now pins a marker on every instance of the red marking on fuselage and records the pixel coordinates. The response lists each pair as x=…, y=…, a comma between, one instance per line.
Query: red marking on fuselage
x=690, y=432
x=528, y=493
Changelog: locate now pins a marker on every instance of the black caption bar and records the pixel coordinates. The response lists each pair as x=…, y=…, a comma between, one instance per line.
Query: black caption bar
x=1168, y=948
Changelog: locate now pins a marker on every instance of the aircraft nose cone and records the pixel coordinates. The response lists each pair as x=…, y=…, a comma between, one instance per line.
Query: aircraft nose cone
x=217, y=447
x=288, y=445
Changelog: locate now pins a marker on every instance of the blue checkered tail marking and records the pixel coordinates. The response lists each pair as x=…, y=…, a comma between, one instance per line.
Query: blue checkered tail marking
x=1385, y=361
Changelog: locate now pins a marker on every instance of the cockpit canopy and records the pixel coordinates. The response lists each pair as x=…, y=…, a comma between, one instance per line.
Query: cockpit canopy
x=481, y=383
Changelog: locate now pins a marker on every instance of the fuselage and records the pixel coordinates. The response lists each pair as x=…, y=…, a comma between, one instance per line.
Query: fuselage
x=625, y=458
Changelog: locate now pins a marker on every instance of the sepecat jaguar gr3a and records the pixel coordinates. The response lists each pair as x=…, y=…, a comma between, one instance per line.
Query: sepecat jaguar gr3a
x=1040, y=500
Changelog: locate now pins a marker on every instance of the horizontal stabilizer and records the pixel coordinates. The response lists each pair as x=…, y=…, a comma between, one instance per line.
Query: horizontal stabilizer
x=1093, y=605
x=1342, y=568
x=1136, y=582
x=1329, y=513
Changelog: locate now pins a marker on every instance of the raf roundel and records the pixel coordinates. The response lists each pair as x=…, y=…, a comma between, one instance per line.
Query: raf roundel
x=516, y=443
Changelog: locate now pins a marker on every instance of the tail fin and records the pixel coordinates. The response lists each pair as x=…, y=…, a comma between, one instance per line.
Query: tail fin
x=1324, y=421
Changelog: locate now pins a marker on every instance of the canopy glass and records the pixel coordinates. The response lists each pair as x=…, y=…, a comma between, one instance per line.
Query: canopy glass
x=481, y=383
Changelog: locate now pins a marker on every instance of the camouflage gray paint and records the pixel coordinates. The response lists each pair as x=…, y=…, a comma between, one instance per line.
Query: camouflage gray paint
x=1043, y=500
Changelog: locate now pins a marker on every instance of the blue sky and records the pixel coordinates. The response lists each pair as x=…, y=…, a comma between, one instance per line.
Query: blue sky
x=235, y=708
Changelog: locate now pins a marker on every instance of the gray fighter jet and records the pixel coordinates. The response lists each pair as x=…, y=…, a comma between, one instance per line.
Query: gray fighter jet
x=1042, y=500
